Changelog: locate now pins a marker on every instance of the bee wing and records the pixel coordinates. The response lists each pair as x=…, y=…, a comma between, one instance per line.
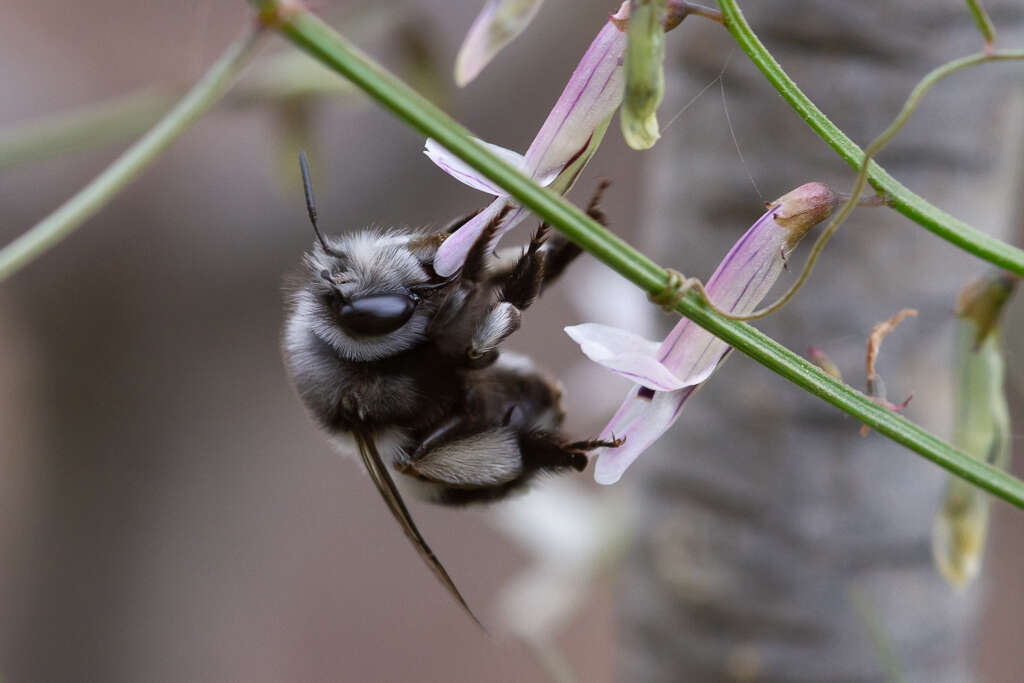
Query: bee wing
x=389, y=492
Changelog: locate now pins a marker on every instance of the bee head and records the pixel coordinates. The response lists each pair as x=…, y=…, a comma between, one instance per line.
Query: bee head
x=369, y=294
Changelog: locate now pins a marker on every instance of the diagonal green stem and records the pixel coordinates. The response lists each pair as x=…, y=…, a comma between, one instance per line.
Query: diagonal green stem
x=897, y=195
x=984, y=21
x=312, y=35
x=131, y=163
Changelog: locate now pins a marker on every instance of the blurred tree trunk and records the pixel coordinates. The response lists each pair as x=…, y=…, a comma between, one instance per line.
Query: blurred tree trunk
x=774, y=544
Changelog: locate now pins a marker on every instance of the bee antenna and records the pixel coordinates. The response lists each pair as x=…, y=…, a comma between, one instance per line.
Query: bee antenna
x=307, y=185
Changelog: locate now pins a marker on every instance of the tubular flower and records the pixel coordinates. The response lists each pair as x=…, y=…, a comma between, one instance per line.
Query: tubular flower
x=667, y=374
x=497, y=25
x=566, y=142
x=981, y=427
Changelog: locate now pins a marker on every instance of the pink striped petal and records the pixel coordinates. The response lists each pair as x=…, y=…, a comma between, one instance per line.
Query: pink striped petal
x=466, y=174
x=581, y=114
x=641, y=420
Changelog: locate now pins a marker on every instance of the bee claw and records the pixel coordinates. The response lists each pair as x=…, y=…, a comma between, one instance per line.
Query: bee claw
x=593, y=444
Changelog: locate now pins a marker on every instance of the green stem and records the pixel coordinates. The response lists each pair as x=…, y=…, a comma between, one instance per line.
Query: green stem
x=984, y=21
x=131, y=163
x=897, y=195
x=312, y=35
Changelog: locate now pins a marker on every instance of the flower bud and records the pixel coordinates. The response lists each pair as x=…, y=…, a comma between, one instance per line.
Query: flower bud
x=801, y=209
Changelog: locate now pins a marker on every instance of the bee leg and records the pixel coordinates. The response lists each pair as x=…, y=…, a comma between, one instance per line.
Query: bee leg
x=545, y=451
x=518, y=291
x=522, y=286
x=592, y=444
x=561, y=251
x=468, y=456
x=443, y=433
x=502, y=320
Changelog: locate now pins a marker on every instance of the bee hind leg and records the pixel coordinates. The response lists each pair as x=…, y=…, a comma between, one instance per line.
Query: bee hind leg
x=593, y=444
x=466, y=455
x=546, y=451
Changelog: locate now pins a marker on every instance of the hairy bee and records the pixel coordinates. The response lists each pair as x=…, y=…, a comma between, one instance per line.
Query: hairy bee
x=403, y=367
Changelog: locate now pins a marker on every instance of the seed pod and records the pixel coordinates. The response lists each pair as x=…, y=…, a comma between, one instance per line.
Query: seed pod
x=981, y=427
x=645, y=77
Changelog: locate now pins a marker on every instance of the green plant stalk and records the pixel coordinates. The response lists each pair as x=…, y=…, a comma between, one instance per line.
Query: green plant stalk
x=312, y=35
x=897, y=195
x=131, y=163
x=984, y=21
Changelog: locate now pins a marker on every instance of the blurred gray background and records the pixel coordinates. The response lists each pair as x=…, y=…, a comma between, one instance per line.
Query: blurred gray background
x=167, y=511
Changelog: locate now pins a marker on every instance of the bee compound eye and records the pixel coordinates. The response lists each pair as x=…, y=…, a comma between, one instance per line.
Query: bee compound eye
x=375, y=315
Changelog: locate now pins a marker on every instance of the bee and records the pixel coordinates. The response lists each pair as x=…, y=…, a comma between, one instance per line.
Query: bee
x=403, y=367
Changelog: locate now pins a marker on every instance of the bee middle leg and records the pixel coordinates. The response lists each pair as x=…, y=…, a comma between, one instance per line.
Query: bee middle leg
x=518, y=290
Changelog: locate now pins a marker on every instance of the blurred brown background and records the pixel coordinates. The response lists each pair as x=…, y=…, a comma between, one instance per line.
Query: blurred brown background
x=167, y=511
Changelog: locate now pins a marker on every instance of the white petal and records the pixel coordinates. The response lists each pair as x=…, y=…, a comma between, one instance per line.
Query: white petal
x=464, y=173
x=627, y=354
x=498, y=23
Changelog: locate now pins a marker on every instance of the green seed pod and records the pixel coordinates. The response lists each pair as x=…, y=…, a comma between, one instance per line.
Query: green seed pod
x=645, y=77
x=981, y=428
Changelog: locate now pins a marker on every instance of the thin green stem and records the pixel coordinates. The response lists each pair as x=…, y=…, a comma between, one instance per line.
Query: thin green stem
x=131, y=163
x=312, y=35
x=898, y=196
x=984, y=21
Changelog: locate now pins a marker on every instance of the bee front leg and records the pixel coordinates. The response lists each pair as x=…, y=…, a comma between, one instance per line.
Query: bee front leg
x=502, y=320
